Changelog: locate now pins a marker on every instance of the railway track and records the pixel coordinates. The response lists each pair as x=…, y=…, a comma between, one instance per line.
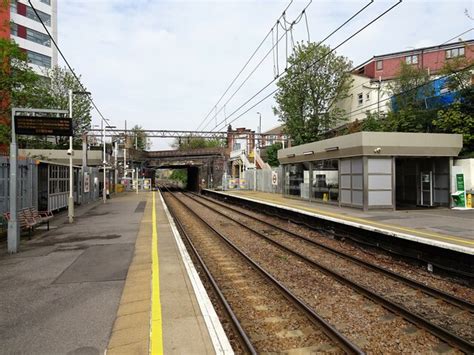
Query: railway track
x=416, y=303
x=266, y=315
x=460, y=303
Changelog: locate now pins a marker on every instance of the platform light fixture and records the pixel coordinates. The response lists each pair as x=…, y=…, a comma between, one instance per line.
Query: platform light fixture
x=308, y=152
x=331, y=149
x=70, y=152
x=290, y=155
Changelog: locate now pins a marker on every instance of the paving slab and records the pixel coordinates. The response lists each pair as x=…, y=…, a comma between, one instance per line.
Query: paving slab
x=60, y=294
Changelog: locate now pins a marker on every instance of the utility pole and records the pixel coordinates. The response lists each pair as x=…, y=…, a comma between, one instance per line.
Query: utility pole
x=378, y=97
x=13, y=227
x=115, y=165
x=104, y=197
x=70, y=205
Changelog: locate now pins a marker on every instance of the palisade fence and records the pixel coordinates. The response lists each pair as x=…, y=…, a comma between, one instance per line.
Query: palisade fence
x=27, y=185
x=263, y=180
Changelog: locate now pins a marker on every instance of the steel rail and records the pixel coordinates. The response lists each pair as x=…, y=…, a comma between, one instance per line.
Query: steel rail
x=422, y=322
x=245, y=340
x=316, y=319
x=468, y=306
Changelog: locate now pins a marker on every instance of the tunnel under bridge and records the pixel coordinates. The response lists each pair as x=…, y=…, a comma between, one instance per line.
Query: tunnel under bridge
x=205, y=166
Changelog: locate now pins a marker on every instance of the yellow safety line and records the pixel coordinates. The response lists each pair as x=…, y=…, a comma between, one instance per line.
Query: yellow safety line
x=156, y=332
x=388, y=226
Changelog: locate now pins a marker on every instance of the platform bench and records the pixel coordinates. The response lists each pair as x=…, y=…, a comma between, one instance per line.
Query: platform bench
x=29, y=218
x=39, y=217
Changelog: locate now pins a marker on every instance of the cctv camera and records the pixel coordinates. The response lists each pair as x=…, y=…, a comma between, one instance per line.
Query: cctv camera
x=377, y=150
x=69, y=152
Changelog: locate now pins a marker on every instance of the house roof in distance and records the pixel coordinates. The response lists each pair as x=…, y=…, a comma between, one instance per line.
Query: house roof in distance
x=468, y=42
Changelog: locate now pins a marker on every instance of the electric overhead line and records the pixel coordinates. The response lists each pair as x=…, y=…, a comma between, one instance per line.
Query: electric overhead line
x=243, y=68
x=312, y=64
x=68, y=65
x=271, y=50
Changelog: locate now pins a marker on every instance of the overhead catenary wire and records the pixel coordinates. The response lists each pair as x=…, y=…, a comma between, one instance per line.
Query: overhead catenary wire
x=315, y=62
x=67, y=63
x=244, y=67
x=271, y=50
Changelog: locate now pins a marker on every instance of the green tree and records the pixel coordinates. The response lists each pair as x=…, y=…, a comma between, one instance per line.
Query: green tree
x=18, y=83
x=196, y=143
x=180, y=175
x=139, y=138
x=458, y=117
x=409, y=112
x=272, y=154
x=316, y=79
x=52, y=92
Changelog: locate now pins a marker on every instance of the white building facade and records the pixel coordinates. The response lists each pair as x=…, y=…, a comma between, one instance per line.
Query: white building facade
x=28, y=32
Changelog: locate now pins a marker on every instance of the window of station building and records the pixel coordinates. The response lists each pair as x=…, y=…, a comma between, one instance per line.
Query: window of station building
x=38, y=37
x=58, y=179
x=39, y=59
x=297, y=180
x=326, y=180
x=360, y=98
x=30, y=13
x=411, y=59
x=455, y=52
x=379, y=65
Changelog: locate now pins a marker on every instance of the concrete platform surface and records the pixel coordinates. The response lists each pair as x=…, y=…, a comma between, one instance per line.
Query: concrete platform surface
x=60, y=293
x=442, y=227
x=87, y=288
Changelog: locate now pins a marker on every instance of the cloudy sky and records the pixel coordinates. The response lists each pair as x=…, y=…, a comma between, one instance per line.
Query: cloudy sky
x=165, y=64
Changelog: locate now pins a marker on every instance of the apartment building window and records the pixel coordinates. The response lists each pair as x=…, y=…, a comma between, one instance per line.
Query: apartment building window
x=13, y=7
x=411, y=59
x=38, y=37
x=39, y=59
x=367, y=96
x=360, y=99
x=379, y=65
x=14, y=29
x=455, y=52
x=47, y=2
x=30, y=13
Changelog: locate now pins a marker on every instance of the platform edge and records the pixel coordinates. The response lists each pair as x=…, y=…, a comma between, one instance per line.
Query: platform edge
x=216, y=332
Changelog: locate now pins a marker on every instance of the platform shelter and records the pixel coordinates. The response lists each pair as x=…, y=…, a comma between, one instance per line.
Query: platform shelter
x=373, y=170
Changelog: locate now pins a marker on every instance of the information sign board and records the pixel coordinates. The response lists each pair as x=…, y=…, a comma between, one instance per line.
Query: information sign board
x=43, y=126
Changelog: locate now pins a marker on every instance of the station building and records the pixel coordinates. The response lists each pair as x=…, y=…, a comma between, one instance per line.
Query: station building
x=373, y=170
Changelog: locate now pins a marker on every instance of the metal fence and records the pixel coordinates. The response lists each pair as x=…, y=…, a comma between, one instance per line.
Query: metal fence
x=263, y=179
x=37, y=185
x=26, y=181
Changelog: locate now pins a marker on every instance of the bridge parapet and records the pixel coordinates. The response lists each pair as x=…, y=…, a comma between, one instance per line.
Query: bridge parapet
x=188, y=153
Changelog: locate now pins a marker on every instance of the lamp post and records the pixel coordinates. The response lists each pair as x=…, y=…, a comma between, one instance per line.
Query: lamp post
x=70, y=152
x=104, y=189
x=259, y=129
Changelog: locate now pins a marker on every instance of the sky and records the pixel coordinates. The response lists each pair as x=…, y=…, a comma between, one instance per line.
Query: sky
x=165, y=64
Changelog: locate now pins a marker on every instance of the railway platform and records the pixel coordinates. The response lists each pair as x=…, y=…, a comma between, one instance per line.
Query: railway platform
x=442, y=228
x=117, y=281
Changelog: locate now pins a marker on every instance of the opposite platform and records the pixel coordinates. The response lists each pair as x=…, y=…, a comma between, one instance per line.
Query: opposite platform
x=443, y=228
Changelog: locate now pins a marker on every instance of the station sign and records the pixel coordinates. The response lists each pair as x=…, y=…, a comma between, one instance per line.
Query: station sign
x=43, y=126
x=274, y=178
